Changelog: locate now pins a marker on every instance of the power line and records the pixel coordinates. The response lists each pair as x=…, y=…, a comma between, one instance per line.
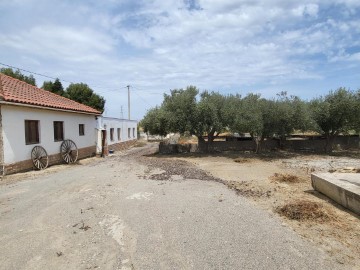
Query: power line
x=147, y=92
x=143, y=99
x=39, y=74
x=53, y=78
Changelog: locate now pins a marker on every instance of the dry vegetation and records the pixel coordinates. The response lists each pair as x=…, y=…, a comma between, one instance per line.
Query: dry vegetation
x=304, y=210
x=285, y=178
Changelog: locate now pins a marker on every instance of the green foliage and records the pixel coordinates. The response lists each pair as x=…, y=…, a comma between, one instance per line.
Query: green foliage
x=54, y=87
x=289, y=114
x=18, y=75
x=247, y=114
x=155, y=122
x=357, y=111
x=210, y=114
x=180, y=109
x=335, y=113
x=264, y=118
x=213, y=113
x=181, y=112
x=82, y=93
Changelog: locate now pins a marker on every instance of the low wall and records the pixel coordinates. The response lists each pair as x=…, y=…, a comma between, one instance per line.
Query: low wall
x=246, y=145
x=121, y=145
x=27, y=165
x=311, y=144
x=317, y=144
x=165, y=148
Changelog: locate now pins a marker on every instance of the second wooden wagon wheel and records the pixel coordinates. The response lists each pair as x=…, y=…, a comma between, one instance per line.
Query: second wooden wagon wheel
x=69, y=151
x=39, y=157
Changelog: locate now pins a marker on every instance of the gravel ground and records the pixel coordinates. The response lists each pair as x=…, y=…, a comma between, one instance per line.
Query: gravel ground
x=322, y=163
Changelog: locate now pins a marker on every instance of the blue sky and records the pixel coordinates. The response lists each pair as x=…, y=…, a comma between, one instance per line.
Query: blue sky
x=303, y=47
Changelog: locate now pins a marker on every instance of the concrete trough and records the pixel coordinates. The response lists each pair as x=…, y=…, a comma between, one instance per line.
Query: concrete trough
x=343, y=188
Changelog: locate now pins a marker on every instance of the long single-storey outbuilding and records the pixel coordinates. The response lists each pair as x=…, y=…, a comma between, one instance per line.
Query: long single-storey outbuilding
x=115, y=134
x=30, y=117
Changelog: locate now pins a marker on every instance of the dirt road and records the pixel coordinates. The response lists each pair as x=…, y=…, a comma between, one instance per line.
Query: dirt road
x=123, y=212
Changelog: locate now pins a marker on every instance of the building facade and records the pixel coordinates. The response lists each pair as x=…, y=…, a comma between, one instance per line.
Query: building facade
x=30, y=116
x=115, y=134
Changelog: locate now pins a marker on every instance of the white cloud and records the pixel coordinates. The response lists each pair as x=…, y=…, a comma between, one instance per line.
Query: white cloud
x=60, y=42
x=159, y=45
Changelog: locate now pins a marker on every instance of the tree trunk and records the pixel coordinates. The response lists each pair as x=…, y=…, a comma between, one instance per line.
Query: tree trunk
x=281, y=142
x=202, y=145
x=329, y=143
x=258, y=142
x=211, y=136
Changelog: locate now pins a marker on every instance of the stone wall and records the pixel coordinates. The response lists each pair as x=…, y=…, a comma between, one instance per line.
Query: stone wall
x=316, y=144
x=246, y=145
x=166, y=148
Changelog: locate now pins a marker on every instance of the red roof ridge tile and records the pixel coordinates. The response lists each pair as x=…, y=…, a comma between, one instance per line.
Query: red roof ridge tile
x=15, y=90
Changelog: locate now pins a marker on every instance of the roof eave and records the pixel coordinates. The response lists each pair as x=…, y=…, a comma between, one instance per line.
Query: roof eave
x=46, y=108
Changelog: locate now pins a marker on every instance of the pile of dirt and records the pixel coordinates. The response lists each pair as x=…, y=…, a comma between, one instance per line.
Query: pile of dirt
x=245, y=189
x=304, y=210
x=285, y=178
x=175, y=168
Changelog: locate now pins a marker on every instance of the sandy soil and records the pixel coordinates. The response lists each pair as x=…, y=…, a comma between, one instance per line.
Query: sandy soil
x=252, y=176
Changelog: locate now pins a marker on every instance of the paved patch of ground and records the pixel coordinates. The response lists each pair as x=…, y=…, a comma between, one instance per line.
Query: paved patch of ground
x=118, y=213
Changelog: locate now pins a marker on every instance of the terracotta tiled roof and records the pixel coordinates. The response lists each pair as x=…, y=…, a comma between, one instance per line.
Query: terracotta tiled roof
x=14, y=90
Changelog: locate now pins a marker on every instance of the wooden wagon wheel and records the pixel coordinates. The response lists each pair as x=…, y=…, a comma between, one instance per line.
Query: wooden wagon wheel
x=69, y=151
x=39, y=157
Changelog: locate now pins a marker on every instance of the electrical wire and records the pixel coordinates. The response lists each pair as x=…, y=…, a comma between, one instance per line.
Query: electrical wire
x=99, y=91
x=39, y=74
x=53, y=78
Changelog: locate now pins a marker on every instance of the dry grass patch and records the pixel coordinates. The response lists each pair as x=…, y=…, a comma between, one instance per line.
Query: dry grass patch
x=303, y=210
x=285, y=178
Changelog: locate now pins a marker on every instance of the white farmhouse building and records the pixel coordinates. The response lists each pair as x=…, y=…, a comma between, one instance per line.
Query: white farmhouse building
x=30, y=116
x=115, y=134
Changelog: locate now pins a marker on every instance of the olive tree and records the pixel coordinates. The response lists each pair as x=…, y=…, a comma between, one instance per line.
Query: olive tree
x=155, y=122
x=335, y=113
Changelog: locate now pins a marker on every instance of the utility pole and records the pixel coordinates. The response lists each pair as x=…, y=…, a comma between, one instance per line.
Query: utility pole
x=128, y=87
x=121, y=112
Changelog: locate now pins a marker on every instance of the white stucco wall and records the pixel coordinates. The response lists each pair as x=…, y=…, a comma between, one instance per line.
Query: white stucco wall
x=115, y=123
x=13, y=122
